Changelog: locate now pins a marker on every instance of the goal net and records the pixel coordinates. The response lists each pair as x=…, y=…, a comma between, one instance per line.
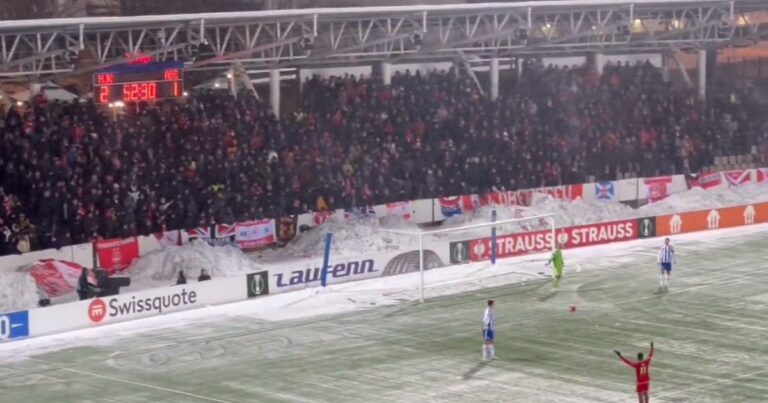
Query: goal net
x=481, y=242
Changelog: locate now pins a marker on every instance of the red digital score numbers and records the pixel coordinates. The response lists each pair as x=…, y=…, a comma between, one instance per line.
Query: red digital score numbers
x=111, y=87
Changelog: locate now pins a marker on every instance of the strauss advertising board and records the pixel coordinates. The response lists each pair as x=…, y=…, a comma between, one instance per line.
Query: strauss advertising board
x=540, y=241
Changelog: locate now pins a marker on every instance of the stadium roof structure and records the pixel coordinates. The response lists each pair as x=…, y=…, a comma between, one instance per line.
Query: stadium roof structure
x=334, y=36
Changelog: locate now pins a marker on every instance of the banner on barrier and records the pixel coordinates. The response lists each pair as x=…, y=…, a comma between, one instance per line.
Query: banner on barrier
x=704, y=181
x=214, y=235
x=525, y=197
x=762, y=176
x=605, y=191
x=169, y=238
x=404, y=210
x=117, y=254
x=451, y=206
x=739, y=177
x=287, y=229
x=657, y=188
x=255, y=234
x=56, y=278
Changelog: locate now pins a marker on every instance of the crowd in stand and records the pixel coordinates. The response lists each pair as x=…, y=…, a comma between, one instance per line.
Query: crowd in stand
x=69, y=173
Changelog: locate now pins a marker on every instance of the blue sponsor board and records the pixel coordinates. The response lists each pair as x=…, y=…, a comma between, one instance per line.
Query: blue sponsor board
x=14, y=325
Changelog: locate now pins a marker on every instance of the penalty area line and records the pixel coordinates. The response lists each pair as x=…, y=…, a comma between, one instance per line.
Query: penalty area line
x=141, y=384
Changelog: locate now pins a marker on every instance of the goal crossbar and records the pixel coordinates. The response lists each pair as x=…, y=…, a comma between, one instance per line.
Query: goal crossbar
x=492, y=225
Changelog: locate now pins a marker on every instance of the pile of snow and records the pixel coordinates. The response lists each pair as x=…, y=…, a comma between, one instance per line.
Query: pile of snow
x=161, y=267
x=18, y=291
x=579, y=212
x=157, y=269
x=354, y=236
x=364, y=235
x=567, y=213
x=698, y=199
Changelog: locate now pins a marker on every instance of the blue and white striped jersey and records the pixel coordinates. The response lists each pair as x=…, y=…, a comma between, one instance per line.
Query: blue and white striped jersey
x=489, y=319
x=667, y=254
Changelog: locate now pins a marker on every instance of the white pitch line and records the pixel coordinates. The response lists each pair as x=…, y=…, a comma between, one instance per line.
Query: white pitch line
x=145, y=385
x=726, y=381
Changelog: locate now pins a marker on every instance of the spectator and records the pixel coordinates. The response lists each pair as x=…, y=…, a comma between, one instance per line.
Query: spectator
x=181, y=279
x=204, y=276
x=84, y=288
x=69, y=174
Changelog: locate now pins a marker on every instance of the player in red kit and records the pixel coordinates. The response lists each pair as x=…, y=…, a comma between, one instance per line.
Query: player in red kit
x=642, y=371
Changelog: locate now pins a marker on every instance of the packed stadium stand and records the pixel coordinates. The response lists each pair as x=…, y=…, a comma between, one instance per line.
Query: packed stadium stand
x=70, y=173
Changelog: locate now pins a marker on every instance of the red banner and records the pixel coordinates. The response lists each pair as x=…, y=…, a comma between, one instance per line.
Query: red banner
x=117, y=254
x=738, y=177
x=704, y=181
x=525, y=197
x=541, y=241
x=658, y=188
x=57, y=277
x=762, y=176
x=168, y=238
x=403, y=210
x=321, y=217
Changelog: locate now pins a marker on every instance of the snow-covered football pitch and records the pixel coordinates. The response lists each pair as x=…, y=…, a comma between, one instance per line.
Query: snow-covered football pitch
x=371, y=342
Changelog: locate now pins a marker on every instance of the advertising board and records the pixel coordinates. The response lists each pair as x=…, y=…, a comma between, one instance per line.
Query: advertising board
x=14, y=325
x=307, y=273
x=99, y=311
x=518, y=244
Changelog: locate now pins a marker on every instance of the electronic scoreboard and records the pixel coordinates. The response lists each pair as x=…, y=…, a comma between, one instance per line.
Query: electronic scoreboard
x=136, y=82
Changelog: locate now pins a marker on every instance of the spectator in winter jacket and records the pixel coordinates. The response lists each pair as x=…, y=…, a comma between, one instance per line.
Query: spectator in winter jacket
x=83, y=286
x=204, y=276
x=181, y=279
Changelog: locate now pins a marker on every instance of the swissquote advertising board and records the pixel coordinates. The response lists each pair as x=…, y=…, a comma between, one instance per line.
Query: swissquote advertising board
x=124, y=307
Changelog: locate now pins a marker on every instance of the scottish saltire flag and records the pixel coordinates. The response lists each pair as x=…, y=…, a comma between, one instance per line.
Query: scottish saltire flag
x=605, y=191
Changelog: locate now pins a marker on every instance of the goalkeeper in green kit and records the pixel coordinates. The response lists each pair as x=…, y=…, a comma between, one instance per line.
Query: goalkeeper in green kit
x=557, y=263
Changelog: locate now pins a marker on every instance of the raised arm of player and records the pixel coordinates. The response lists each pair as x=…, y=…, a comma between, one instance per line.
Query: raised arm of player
x=624, y=360
x=650, y=354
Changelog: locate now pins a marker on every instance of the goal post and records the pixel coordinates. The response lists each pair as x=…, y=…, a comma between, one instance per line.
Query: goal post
x=494, y=233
